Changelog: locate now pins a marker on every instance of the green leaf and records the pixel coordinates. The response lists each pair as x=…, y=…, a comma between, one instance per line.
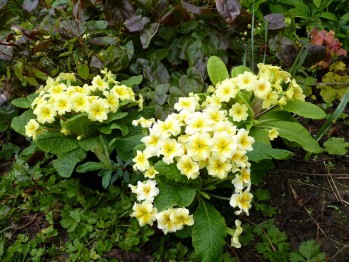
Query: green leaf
x=18, y=123
x=294, y=132
x=116, y=116
x=65, y=163
x=55, y=143
x=125, y=146
x=336, y=146
x=174, y=194
x=89, y=166
x=208, y=232
x=134, y=80
x=304, y=109
x=217, y=70
x=107, y=129
x=170, y=171
x=263, y=151
x=83, y=71
x=22, y=102
x=78, y=124
x=330, y=16
x=317, y=3
x=106, y=177
x=276, y=115
x=237, y=70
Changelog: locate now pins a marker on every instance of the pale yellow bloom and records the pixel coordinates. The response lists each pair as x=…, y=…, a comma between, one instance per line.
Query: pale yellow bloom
x=31, y=128
x=226, y=90
x=181, y=217
x=273, y=133
x=62, y=104
x=165, y=222
x=98, y=84
x=199, y=146
x=79, y=102
x=188, y=167
x=151, y=172
x=262, y=88
x=145, y=213
x=235, y=241
x=98, y=110
x=141, y=161
x=246, y=81
x=242, y=200
x=218, y=168
x=170, y=148
x=112, y=100
x=224, y=146
x=239, y=112
x=244, y=140
x=45, y=114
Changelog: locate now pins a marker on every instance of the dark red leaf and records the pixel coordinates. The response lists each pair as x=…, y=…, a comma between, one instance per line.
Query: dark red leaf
x=228, y=9
x=190, y=8
x=276, y=21
x=40, y=47
x=147, y=34
x=136, y=23
x=30, y=5
x=117, y=11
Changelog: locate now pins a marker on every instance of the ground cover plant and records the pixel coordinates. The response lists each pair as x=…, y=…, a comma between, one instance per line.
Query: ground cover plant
x=174, y=130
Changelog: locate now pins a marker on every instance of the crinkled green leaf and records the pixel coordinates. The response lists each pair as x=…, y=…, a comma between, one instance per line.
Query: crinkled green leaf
x=66, y=162
x=174, y=194
x=170, y=171
x=263, y=151
x=237, y=70
x=134, y=80
x=304, y=109
x=18, y=123
x=78, y=124
x=55, y=143
x=125, y=146
x=336, y=146
x=294, y=132
x=208, y=232
x=217, y=70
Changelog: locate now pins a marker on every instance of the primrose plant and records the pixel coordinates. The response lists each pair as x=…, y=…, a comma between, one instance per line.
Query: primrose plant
x=68, y=119
x=208, y=149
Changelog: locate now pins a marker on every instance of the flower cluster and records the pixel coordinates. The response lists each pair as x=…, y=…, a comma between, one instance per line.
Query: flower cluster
x=206, y=138
x=272, y=86
x=169, y=220
x=61, y=99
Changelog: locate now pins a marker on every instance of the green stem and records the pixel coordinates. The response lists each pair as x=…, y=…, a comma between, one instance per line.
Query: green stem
x=219, y=197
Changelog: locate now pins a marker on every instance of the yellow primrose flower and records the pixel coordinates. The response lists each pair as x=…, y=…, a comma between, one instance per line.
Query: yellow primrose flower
x=218, y=168
x=165, y=222
x=112, y=100
x=122, y=91
x=57, y=89
x=141, y=161
x=186, y=103
x=197, y=123
x=242, y=200
x=146, y=190
x=98, y=83
x=262, y=88
x=181, y=217
x=235, y=241
x=199, y=146
x=170, y=126
x=79, y=102
x=270, y=100
x=31, y=128
x=239, y=112
x=246, y=81
x=188, y=167
x=244, y=140
x=226, y=90
x=62, y=104
x=151, y=172
x=224, y=146
x=273, y=133
x=145, y=213
x=97, y=110
x=170, y=148
x=45, y=114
